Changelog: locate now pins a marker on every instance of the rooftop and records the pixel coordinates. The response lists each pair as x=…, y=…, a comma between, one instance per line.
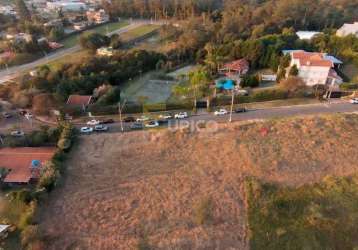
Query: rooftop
x=19, y=161
x=79, y=100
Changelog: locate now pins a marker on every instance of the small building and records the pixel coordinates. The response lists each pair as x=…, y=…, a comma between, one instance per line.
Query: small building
x=315, y=68
x=25, y=163
x=307, y=35
x=79, y=26
x=97, y=17
x=4, y=229
x=79, y=101
x=348, y=29
x=105, y=51
x=235, y=68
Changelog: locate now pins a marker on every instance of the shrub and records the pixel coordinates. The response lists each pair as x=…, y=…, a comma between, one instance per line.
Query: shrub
x=349, y=86
x=64, y=144
x=250, y=81
x=26, y=218
x=204, y=211
x=29, y=235
x=49, y=176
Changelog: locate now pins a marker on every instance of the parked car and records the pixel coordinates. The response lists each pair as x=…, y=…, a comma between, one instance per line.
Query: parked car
x=354, y=101
x=28, y=115
x=86, y=130
x=22, y=112
x=142, y=119
x=220, y=112
x=181, y=115
x=137, y=125
x=165, y=116
x=100, y=128
x=129, y=119
x=7, y=115
x=243, y=92
x=108, y=121
x=240, y=110
x=17, y=133
x=93, y=122
x=152, y=124
x=163, y=121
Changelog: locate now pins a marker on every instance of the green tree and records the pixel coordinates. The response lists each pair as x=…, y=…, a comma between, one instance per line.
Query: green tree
x=22, y=10
x=293, y=71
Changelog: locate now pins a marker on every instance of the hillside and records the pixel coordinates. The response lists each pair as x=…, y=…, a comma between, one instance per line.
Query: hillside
x=186, y=190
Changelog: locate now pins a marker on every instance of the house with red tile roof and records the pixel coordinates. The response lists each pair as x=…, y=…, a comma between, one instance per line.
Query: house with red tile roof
x=79, y=100
x=235, y=68
x=24, y=164
x=315, y=68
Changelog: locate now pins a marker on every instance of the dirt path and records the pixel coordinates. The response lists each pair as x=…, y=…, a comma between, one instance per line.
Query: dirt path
x=121, y=188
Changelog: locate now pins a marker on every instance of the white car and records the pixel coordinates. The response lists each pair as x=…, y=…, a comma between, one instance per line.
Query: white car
x=17, y=133
x=142, y=119
x=152, y=124
x=354, y=101
x=93, y=122
x=28, y=116
x=101, y=128
x=165, y=116
x=181, y=115
x=220, y=112
x=86, y=130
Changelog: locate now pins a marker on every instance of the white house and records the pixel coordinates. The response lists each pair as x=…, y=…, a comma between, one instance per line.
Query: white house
x=307, y=35
x=315, y=68
x=67, y=6
x=105, y=51
x=348, y=29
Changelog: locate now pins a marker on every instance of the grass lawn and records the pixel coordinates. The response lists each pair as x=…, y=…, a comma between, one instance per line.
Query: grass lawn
x=72, y=58
x=102, y=29
x=138, y=32
x=319, y=216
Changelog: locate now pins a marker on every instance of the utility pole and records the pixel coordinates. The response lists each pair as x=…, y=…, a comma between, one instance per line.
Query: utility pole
x=232, y=104
x=120, y=108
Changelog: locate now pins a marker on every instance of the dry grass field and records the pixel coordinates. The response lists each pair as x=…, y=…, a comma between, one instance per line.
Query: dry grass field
x=185, y=190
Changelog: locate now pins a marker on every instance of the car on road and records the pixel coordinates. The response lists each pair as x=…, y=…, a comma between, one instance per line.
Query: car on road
x=242, y=92
x=22, y=112
x=100, y=128
x=142, y=119
x=93, y=122
x=108, y=121
x=354, y=101
x=7, y=115
x=152, y=124
x=86, y=130
x=28, y=115
x=129, y=119
x=163, y=122
x=181, y=115
x=240, y=110
x=137, y=125
x=220, y=112
x=165, y=116
x=17, y=133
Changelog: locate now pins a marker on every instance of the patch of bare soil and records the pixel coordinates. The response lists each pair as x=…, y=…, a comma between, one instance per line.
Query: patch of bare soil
x=122, y=189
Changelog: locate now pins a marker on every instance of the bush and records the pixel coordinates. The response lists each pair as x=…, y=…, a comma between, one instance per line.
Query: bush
x=204, y=211
x=29, y=235
x=349, y=86
x=64, y=144
x=27, y=217
x=250, y=81
x=49, y=176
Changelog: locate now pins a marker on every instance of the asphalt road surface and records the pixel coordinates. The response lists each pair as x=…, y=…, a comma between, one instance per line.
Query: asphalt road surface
x=13, y=72
x=258, y=114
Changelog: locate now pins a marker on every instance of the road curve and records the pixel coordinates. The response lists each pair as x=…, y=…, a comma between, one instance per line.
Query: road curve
x=13, y=72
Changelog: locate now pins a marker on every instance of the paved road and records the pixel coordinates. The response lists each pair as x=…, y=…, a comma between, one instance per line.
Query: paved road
x=13, y=72
x=267, y=113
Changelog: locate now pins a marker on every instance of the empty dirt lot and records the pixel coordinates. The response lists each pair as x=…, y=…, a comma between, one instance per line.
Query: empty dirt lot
x=123, y=188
